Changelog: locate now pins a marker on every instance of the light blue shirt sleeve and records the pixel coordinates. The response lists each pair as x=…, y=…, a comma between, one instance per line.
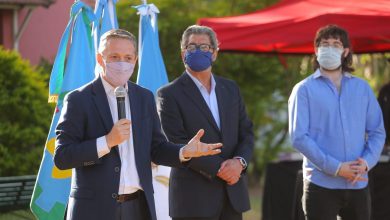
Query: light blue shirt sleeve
x=298, y=108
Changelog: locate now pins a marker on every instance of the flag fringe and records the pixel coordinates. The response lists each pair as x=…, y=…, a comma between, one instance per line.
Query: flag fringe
x=53, y=98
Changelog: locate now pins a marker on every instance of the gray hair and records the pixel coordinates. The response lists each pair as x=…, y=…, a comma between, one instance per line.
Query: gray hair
x=117, y=34
x=199, y=30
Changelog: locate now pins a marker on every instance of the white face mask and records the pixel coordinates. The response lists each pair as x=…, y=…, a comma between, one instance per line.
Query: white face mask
x=118, y=73
x=329, y=57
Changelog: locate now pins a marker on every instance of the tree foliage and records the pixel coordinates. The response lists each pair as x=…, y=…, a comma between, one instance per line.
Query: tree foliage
x=24, y=115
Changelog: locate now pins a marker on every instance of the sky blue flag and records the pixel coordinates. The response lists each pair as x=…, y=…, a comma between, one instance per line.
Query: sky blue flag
x=152, y=75
x=106, y=12
x=52, y=187
x=151, y=72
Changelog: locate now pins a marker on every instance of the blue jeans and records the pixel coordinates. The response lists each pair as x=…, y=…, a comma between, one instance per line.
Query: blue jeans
x=320, y=203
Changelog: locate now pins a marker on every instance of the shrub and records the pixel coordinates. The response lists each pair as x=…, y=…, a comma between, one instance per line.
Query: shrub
x=24, y=115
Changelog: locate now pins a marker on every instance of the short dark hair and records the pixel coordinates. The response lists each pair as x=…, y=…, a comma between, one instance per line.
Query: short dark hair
x=117, y=33
x=336, y=32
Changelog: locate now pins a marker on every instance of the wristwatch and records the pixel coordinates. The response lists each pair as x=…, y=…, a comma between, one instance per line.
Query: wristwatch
x=242, y=162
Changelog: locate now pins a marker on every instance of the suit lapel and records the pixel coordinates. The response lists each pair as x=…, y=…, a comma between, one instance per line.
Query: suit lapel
x=222, y=96
x=191, y=90
x=135, y=109
x=101, y=103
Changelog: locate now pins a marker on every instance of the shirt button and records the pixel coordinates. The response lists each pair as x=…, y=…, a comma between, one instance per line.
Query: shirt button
x=114, y=195
x=116, y=169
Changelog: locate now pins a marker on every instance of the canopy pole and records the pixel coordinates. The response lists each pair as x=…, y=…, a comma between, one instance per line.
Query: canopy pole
x=144, y=2
x=283, y=60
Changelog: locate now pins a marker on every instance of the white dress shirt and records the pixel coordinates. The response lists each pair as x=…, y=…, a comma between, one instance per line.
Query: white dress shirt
x=209, y=98
x=212, y=103
x=129, y=179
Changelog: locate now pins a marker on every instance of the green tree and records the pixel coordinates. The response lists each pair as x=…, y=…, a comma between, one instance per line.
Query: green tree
x=24, y=115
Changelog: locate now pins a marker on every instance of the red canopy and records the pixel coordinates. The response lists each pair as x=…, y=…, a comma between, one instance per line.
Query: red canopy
x=289, y=27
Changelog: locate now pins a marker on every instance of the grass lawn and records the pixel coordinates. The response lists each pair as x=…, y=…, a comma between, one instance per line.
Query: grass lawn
x=255, y=194
x=17, y=215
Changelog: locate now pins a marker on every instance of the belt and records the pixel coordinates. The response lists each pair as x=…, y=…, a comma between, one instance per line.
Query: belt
x=128, y=197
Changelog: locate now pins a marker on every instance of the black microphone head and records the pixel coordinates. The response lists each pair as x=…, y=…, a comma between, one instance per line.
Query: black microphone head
x=120, y=92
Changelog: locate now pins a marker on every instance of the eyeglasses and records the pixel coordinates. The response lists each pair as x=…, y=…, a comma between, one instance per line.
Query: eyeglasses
x=336, y=44
x=203, y=47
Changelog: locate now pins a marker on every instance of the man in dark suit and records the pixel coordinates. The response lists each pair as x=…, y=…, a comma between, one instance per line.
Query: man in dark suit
x=111, y=158
x=384, y=102
x=200, y=100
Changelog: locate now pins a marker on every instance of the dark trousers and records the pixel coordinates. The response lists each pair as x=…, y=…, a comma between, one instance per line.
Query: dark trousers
x=227, y=213
x=136, y=209
x=320, y=203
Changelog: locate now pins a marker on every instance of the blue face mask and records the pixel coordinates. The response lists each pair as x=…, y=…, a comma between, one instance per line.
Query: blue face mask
x=198, y=60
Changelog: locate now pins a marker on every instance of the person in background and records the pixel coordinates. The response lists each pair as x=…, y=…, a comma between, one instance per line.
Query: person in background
x=336, y=123
x=384, y=102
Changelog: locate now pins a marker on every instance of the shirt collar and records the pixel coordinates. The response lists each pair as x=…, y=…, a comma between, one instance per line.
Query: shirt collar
x=348, y=75
x=199, y=84
x=109, y=89
x=318, y=73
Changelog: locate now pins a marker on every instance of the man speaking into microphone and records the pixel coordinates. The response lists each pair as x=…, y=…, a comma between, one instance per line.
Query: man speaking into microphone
x=111, y=137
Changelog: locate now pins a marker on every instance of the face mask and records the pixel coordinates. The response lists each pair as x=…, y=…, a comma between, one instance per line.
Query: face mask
x=198, y=60
x=329, y=57
x=118, y=73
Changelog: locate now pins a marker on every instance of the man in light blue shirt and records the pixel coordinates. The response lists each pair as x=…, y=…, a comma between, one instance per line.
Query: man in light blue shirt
x=336, y=123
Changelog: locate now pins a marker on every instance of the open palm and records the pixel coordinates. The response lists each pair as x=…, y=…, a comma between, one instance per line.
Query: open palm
x=195, y=148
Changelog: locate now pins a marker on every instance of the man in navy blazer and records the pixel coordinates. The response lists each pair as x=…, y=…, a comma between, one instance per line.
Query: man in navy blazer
x=199, y=99
x=111, y=158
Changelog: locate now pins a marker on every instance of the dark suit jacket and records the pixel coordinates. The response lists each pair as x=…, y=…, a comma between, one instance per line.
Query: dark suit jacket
x=384, y=102
x=196, y=191
x=95, y=182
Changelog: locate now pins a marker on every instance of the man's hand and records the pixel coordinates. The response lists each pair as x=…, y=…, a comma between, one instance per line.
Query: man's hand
x=346, y=170
x=119, y=133
x=195, y=148
x=230, y=171
x=361, y=169
x=360, y=166
x=352, y=170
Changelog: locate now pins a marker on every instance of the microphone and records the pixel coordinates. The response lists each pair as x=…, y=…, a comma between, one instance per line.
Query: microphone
x=120, y=93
